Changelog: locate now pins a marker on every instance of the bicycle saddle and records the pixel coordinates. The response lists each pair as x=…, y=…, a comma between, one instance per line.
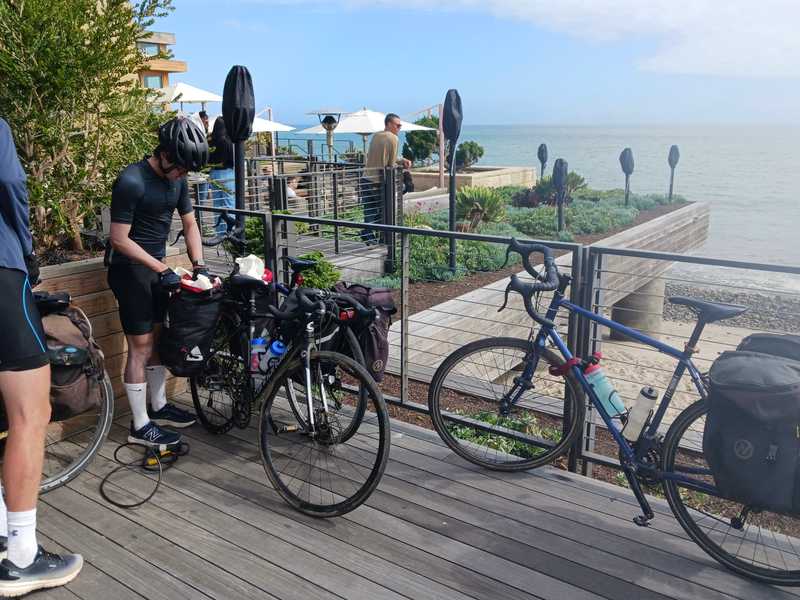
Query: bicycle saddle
x=48, y=303
x=709, y=311
x=299, y=264
x=246, y=282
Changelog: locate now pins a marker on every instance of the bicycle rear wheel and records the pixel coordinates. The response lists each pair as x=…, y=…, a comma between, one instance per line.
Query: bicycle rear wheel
x=467, y=391
x=223, y=391
x=758, y=544
x=318, y=470
x=71, y=443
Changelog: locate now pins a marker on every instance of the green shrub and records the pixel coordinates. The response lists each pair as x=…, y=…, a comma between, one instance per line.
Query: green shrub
x=491, y=203
x=422, y=145
x=509, y=192
x=416, y=219
x=387, y=281
x=534, y=222
x=324, y=274
x=467, y=154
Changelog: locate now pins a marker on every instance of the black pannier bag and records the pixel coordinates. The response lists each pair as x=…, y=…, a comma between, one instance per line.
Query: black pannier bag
x=188, y=331
x=372, y=337
x=776, y=344
x=751, y=439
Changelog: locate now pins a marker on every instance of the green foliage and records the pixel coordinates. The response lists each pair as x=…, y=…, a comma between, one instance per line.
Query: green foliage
x=467, y=154
x=420, y=146
x=490, y=202
x=417, y=219
x=324, y=275
x=254, y=236
x=582, y=218
x=387, y=281
x=509, y=192
x=544, y=192
x=78, y=117
x=526, y=423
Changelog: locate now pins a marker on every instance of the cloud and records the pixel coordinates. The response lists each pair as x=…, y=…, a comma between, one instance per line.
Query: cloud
x=739, y=38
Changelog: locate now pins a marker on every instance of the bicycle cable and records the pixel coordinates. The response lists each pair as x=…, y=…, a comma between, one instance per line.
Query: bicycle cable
x=150, y=460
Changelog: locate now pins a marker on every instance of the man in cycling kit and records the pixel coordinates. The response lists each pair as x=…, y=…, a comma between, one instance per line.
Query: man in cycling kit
x=25, y=391
x=143, y=200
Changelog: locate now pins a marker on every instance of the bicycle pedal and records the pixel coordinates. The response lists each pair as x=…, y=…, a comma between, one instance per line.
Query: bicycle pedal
x=642, y=520
x=288, y=428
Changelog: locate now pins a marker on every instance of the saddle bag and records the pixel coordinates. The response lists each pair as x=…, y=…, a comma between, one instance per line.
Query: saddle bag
x=751, y=439
x=76, y=360
x=785, y=345
x=373, y=337
x=188, y=331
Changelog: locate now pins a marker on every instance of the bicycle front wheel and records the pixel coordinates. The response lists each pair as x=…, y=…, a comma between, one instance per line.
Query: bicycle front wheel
x=71, y=443
x=324, y=463
x=494, y=403
x=758, y=544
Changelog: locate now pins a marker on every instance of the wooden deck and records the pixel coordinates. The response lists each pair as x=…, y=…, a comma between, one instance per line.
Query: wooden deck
x=435, y=528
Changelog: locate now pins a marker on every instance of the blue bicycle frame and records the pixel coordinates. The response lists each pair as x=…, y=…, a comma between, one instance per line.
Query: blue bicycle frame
x=630, y=454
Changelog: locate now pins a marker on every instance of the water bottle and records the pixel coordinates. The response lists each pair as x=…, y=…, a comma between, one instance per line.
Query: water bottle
x=257, y=349
x=272, y=356
x=604, y=389
x=640, y=414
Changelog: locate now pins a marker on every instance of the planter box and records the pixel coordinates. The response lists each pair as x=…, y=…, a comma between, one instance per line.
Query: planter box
x=86, y=281
x=484, y=176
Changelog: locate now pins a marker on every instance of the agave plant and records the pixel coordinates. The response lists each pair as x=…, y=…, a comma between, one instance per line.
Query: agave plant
x=470, y=199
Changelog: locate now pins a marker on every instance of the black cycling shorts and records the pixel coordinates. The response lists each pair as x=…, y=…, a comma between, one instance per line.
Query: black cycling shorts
x=142, y=303
x=24, y=346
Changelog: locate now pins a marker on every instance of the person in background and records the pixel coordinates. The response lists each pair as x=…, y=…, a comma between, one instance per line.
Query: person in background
x=222, y=178
x=204, y=120
x=25, y=391
x=382, y=153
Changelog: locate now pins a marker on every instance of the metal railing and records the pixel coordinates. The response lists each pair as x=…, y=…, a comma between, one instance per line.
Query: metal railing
x=627, y=285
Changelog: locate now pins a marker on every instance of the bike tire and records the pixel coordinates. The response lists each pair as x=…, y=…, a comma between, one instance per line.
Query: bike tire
x=224, y=379
x=527, y=437
x=766, y=550
x=89, y=437
x=354, y=349
x=331, y=476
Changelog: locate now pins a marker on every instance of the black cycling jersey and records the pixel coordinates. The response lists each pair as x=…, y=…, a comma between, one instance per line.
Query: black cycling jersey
x=146, y=201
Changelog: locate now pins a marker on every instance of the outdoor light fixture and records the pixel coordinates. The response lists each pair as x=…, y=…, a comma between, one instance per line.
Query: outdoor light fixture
x=329, y=119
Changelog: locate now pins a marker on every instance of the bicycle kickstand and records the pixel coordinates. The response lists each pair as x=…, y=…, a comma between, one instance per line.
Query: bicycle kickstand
x=642, y=520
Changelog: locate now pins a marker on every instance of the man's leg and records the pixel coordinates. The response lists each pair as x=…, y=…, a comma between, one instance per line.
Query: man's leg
x=161, y=411
x=27, y=400
x=370, y=202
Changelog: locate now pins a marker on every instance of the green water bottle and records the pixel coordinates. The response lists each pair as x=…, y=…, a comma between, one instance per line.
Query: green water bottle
x=604, y=389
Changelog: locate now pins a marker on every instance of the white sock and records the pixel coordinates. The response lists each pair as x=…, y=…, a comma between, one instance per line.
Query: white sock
x=22, y=545
x=3, y=515
x=137, y=398
x=156, y=382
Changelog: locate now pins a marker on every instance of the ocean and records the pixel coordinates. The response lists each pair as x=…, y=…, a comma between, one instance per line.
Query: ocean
x=745, y=173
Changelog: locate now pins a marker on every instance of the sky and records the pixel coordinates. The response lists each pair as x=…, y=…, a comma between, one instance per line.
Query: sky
x=576, y=62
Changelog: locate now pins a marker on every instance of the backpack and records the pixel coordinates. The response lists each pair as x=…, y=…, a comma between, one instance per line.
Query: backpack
x=751, y=439
x=188, y=331
x=785, y=345
x=373, y=337
x=77, y=365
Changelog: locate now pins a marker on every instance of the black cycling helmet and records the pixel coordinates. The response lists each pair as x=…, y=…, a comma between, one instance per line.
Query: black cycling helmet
x=184, y=142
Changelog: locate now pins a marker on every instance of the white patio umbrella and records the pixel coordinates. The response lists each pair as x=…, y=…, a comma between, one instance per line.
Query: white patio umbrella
x=365, y=122
x=183, y=92
x=260, y=125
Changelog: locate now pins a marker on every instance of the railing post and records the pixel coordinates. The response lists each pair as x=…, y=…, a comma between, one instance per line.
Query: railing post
x=405, y=268
x=589, y=334
x=389, y=201
x=574, y=341
x=282, y=203
x=335, y=212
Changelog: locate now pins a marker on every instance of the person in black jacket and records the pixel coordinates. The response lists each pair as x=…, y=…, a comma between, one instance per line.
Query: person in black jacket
x=25, y=391
x=222, y=185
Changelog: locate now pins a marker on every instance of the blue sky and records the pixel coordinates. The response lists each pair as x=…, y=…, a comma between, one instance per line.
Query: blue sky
x=513, y=61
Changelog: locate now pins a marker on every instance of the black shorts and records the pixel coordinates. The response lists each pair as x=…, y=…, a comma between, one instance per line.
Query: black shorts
x=24, y=345
x=142, y=303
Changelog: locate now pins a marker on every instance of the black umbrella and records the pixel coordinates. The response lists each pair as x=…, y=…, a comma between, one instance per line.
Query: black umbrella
x=672, y=159
x=451, y=126
x=542, y=154
x=560, y=170
x=238, y=110
x=626, y=162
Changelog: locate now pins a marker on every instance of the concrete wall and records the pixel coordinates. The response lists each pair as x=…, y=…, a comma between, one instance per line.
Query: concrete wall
x=478, y=176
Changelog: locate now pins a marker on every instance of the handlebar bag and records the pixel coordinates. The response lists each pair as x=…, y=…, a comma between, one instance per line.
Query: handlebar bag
x=751, y=438
x=188, y=331
x=76, y=362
